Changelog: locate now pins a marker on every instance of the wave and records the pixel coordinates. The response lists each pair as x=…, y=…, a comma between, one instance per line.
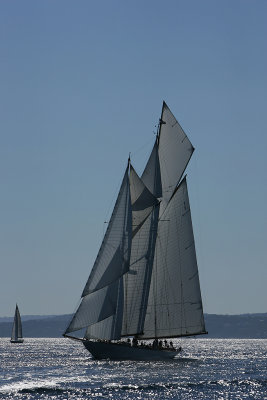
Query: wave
x=117, y=390
x=178, y=385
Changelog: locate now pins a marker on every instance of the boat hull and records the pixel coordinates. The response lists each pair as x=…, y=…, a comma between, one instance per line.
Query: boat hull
x=115, y=351
x=17, y=341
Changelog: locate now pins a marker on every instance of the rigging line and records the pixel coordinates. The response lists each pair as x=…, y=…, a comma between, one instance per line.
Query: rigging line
x=112, y=201
x=73, y=314
x=140, y=148
x=139, y=153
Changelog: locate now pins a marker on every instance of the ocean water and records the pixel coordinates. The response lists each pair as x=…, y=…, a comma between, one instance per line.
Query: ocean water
x=63, y=369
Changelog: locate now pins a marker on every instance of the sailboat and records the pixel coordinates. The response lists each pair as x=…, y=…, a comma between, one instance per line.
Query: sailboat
x=144, y=286
x=16, y=335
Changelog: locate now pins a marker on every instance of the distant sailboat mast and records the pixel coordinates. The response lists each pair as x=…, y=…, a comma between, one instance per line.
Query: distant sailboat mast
x=16, y=336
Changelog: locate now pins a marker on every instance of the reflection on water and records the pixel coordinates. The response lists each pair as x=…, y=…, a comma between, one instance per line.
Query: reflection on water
x=62, y=369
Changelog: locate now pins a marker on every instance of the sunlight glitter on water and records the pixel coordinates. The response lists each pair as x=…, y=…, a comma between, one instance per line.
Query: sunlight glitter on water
x=61, y=369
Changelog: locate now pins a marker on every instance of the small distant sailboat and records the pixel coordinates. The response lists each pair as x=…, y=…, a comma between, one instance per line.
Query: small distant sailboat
x=144, y=283
x=16, y=336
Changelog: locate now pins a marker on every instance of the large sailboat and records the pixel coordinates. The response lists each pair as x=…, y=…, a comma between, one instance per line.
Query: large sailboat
x=16, y=335
x=144, y=286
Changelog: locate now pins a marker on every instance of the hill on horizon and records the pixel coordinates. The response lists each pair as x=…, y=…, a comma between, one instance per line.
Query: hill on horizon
x=243, y=326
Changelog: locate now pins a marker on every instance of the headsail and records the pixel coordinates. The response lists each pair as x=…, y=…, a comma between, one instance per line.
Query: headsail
x=113, y=257
x=101, y=297
x=134, y=285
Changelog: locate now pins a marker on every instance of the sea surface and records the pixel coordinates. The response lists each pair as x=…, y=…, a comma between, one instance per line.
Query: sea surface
x=63, y=369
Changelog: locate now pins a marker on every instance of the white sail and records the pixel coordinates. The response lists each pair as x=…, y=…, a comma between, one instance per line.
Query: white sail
x=103, y=330
x=142, y=201
x=95, y=307
x=113, y=258
x=137, y=281
x=175, y=306
x=110, y=327
x=102, y=296
x=17, y=326
x=175, y=151
x=151, y=175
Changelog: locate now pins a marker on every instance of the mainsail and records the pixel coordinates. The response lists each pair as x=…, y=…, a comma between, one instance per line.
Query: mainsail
x=175, y=306
x=145, y=281
x=17, y=327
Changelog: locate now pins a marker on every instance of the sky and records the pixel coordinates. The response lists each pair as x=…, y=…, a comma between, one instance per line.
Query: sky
x=82, y=85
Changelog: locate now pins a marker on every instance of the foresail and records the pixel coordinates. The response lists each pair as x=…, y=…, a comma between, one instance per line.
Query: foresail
x=175, y=305
x=145, y=208
x=175, y=150
x=108, y=329
x=96, y=307
x=113, y=258
x=102, y=330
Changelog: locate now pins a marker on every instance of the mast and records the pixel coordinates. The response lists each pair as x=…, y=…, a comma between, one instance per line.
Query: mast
x=117, y=321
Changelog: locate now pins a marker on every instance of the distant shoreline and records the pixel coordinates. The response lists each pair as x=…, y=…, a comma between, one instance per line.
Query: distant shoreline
x=243, y=326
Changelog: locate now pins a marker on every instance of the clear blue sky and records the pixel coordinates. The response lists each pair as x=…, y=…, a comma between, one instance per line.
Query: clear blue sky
x=82, y=84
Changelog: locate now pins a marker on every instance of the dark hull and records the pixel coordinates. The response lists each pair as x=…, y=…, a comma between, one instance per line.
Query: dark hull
x=114, y=351
x=17, y=341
